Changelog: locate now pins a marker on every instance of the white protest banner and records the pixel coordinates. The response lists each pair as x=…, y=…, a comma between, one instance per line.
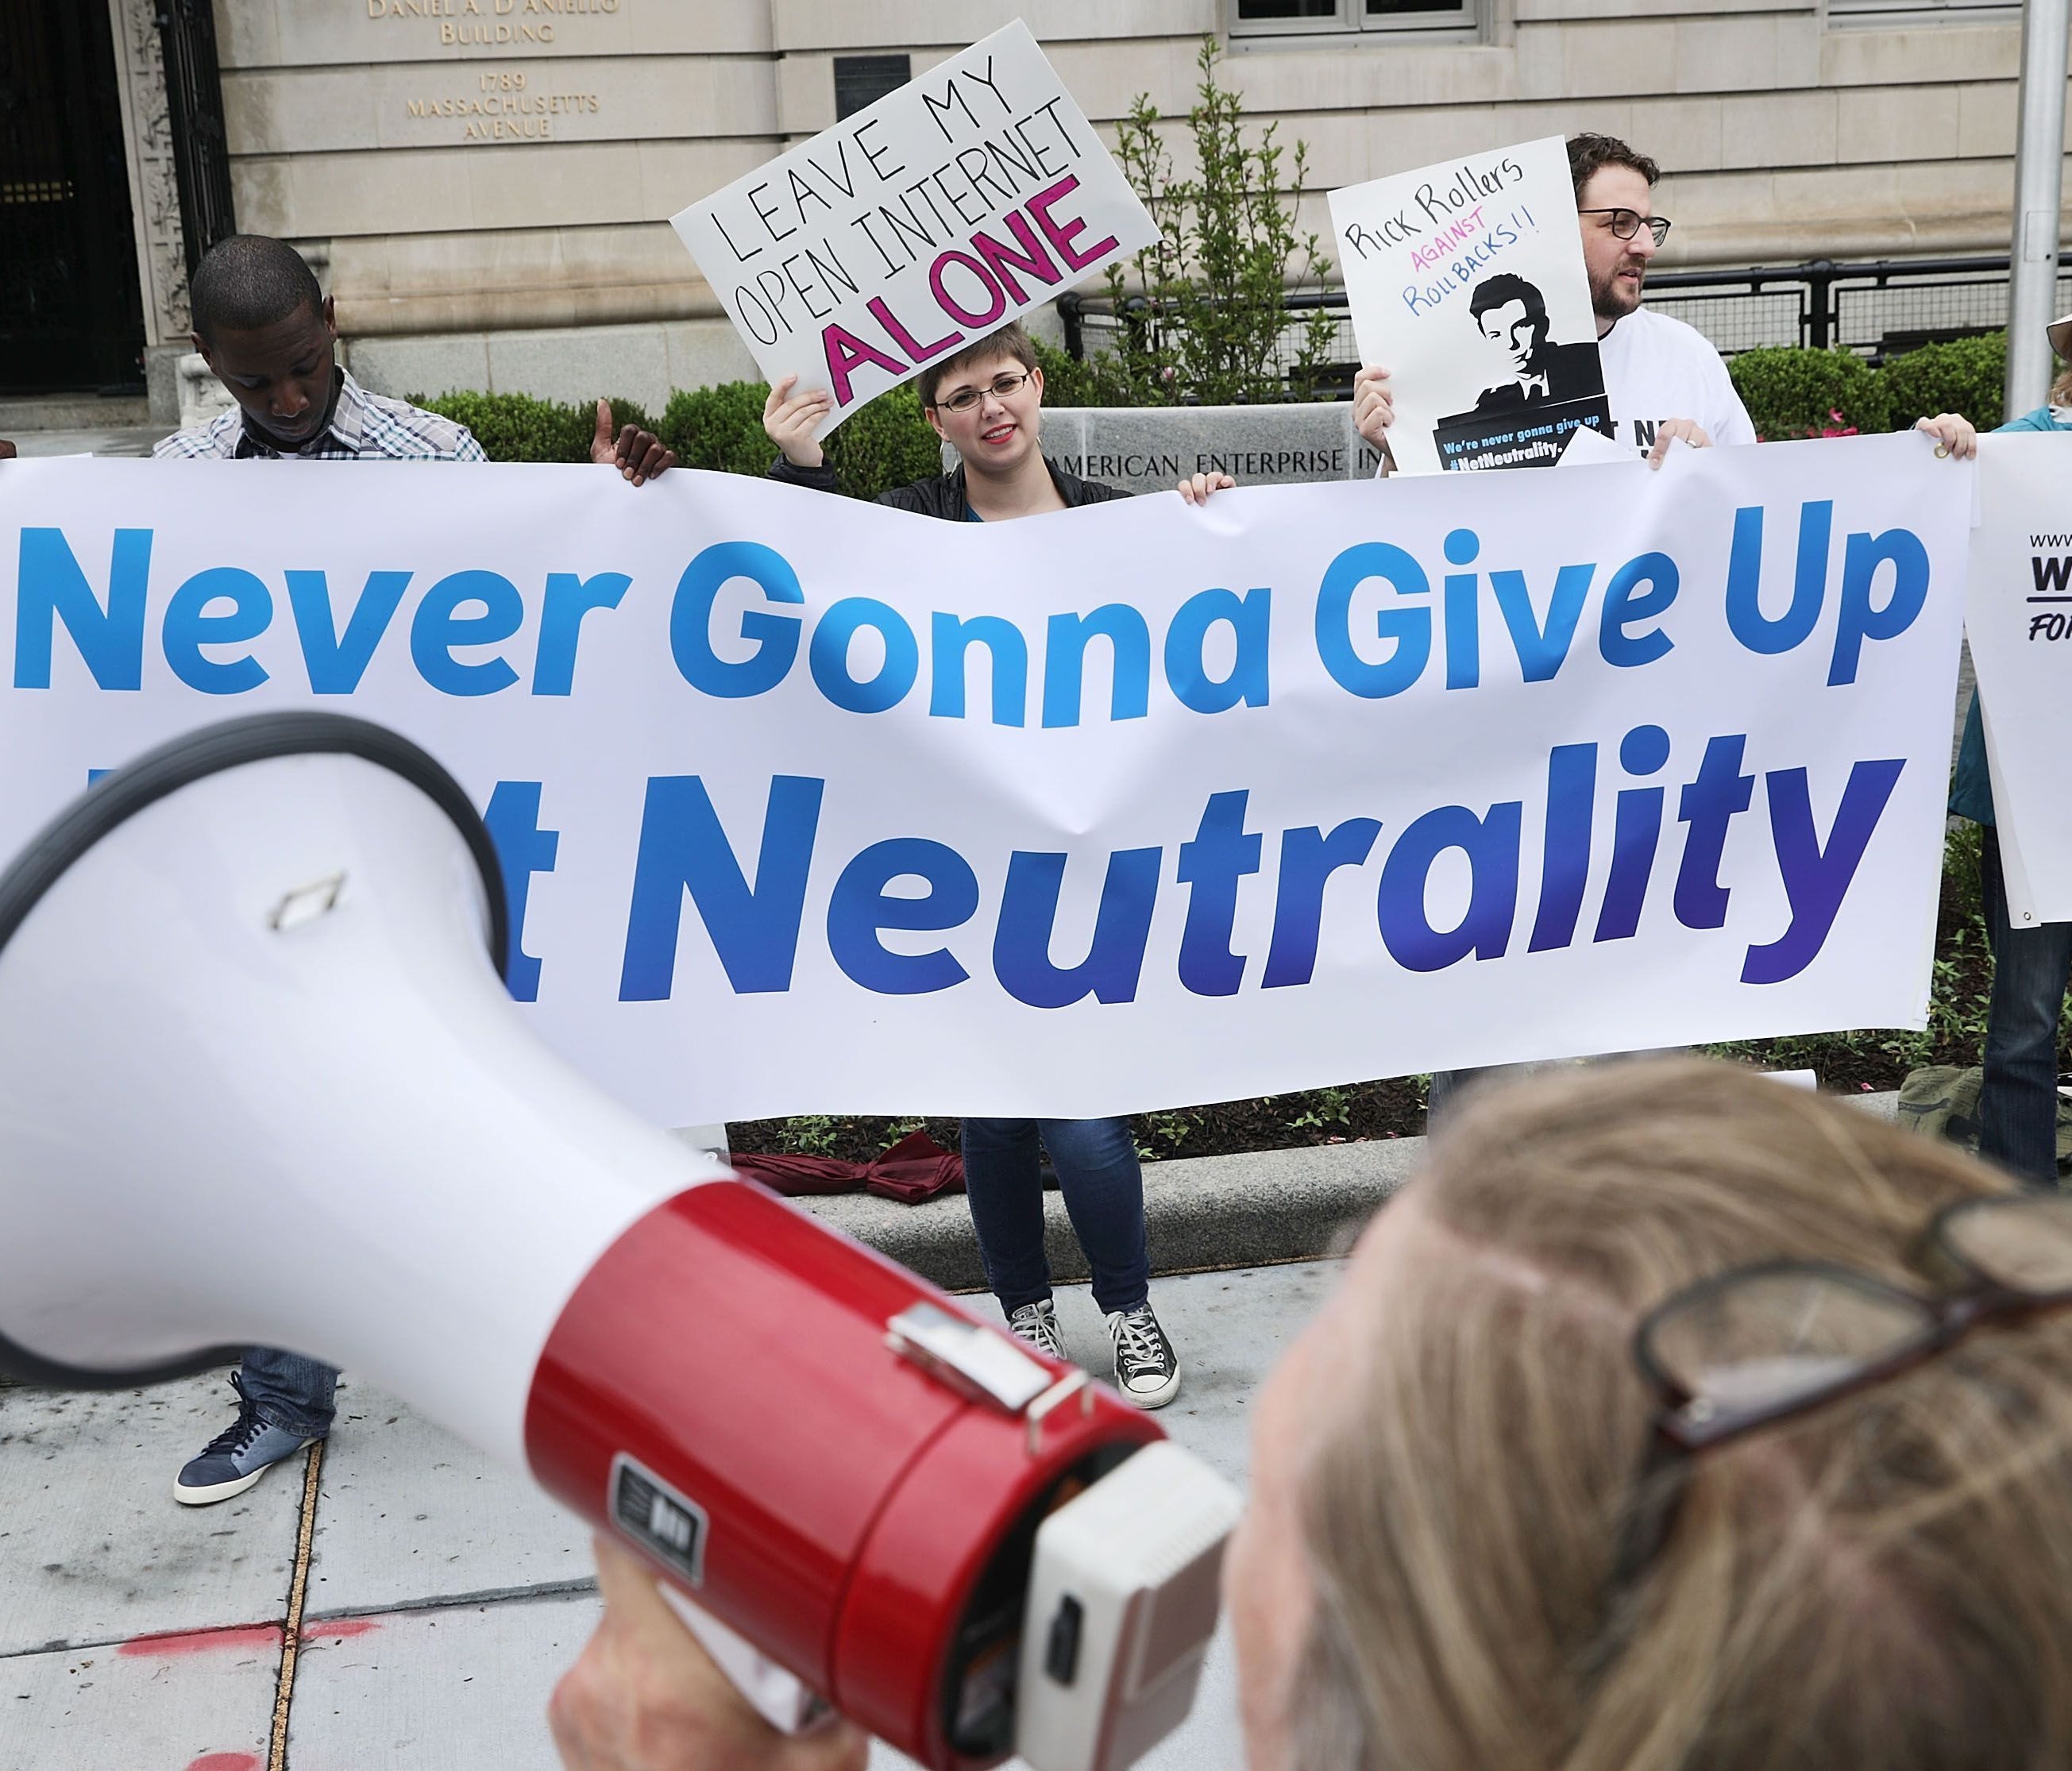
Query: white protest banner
x=1466, y=282
x=2019, y=618
x=970, y=195
x=812, y=806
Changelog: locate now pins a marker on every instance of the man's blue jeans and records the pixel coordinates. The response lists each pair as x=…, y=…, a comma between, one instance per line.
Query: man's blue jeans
x=289, y=1392
x=2018, y=1103
x=1104, y=1190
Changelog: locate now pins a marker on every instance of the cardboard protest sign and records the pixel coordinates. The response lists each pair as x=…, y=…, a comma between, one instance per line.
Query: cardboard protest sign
x=1466, y=279
x=974, y=193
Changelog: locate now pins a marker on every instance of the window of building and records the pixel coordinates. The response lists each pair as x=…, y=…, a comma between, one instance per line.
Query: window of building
x=1294, y=18
x=862, y=80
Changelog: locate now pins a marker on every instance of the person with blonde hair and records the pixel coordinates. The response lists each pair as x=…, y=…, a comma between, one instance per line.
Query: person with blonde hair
x=1673, y=1418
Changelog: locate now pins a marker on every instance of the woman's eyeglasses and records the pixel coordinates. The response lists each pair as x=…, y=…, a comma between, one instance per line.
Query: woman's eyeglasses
x=1766, y=1344
x=1001, y=387
x=1625, y=223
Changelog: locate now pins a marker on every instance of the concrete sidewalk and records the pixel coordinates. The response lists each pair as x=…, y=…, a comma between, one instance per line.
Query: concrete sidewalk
x=122, y=440
x=441, y=1597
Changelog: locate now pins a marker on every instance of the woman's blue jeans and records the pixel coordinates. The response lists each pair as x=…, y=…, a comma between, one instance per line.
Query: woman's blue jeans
x=2018, y=1103
x=1104, y=1190
x=289, y=1392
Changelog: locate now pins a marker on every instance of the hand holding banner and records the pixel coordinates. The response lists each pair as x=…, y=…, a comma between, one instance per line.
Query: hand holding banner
x=957, y=204
x=1466, y=282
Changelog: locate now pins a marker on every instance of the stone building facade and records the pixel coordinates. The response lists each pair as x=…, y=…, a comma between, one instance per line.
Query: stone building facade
x=485, y=184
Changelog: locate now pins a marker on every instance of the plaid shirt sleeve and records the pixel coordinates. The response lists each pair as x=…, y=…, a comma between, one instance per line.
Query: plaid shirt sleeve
x=214, y=440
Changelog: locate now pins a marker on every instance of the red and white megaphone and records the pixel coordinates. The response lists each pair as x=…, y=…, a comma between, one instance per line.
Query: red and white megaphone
x=260, y=1085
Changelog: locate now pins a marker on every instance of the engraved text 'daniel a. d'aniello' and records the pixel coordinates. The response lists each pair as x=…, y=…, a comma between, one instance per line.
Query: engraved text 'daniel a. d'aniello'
x=489, y=24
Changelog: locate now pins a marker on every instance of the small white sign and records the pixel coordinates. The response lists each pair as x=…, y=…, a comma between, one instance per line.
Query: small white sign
x=1466, y=282
x=2018, y=616
x=975, y=192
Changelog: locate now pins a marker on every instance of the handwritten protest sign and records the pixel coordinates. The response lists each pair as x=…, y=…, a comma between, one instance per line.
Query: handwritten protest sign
x=1465, y=281
x=947, y=208
x=809, y=805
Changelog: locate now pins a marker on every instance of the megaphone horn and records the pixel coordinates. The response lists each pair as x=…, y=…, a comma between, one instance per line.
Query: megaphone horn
x=259, y=1087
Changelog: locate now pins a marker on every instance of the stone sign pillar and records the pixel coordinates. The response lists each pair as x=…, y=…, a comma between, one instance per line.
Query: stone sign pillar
x=1146, y=448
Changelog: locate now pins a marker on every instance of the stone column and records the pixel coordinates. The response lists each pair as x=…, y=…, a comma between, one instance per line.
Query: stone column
x=154, y=200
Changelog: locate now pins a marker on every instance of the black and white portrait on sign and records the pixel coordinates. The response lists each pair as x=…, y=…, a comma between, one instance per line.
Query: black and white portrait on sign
x=1465, y=281
x=1511, y=315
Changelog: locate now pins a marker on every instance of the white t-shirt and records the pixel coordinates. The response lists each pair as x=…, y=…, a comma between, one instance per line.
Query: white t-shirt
x=1655, y=368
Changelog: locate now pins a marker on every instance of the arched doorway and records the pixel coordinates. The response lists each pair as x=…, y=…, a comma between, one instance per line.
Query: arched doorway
x=71, y=309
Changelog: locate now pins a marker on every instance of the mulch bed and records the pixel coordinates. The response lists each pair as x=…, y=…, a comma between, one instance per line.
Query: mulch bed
x=1364, y=1110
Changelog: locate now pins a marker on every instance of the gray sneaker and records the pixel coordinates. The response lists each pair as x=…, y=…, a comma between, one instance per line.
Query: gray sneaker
x=1037, y=1324
x=236, y=1457
x=1146, y=1369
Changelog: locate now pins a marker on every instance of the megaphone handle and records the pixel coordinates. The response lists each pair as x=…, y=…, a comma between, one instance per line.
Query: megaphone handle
x=778, y=1696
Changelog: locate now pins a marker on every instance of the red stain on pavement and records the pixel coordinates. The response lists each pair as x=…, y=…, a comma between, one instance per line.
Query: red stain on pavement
x=339, y=1629
x=226, y=1762
x=197, y=1642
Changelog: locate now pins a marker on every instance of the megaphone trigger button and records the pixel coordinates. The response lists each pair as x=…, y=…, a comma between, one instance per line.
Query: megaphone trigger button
x=306, y=903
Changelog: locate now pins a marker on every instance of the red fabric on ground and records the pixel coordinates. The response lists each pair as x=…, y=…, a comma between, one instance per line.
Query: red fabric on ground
x=915, y=1168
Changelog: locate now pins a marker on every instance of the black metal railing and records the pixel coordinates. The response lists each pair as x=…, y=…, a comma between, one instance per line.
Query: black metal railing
x=1877, y=310
x=201, y=148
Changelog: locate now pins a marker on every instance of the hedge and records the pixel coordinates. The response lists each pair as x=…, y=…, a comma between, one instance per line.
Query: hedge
x=1789, y=393
x=1809, y=393
x=516, y=427
x=1968, y=376
x=1817, y=393
x=887, y=444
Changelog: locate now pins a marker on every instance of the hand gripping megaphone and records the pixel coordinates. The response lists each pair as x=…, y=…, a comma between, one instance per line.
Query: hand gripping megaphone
x=259, y=1086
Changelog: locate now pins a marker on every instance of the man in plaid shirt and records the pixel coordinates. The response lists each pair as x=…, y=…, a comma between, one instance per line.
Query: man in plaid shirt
x=263, y=326
x=268, y=332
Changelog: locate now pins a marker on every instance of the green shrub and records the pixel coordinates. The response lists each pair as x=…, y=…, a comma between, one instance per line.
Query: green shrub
x=886, y=444
x=1789, y=393
x=516, y=427
x=1101, y=380
x=1204, y=308
x=719, y=429
x=1792, y=393
x=1967, y=376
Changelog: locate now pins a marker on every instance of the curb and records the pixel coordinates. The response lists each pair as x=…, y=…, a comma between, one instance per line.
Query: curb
x=1202, y=1213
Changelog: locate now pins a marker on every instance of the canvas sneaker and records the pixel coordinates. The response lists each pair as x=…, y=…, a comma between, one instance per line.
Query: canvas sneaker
x=236, y=1457
x=1037, y=1324
x=1145, y=1369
